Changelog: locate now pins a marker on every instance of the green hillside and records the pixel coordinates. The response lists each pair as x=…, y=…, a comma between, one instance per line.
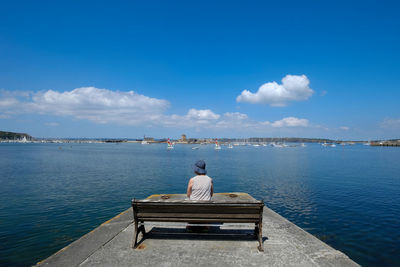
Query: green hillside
x=13, y=136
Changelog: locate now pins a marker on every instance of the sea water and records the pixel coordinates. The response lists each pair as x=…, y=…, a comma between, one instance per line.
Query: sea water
x=52, y=194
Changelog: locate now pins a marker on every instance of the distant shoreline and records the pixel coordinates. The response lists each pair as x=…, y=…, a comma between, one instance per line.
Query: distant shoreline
x=206, y=141
x=11, y=137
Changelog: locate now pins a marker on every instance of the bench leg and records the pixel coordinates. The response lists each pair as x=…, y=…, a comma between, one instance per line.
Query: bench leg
x=259, y=234
x=142, y=228
x=256, y=230
x=135, y=235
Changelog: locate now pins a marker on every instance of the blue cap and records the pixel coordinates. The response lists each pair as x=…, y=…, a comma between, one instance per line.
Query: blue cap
x=200, y=167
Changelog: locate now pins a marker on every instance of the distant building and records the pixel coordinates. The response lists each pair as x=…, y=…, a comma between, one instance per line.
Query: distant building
x=183, y=138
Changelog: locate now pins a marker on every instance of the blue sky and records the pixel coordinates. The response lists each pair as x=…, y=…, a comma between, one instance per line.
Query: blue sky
x=161, y=68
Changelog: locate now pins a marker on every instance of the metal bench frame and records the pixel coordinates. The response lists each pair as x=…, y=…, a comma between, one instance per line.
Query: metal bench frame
x=197, y=212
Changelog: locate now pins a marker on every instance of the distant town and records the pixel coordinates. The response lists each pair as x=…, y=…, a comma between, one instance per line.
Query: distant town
x=11, y=137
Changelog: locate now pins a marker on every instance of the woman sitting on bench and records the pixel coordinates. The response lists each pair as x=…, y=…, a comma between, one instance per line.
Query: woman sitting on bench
x=200, y=187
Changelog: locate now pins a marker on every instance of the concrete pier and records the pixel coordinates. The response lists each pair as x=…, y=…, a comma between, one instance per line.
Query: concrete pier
x=166, y=244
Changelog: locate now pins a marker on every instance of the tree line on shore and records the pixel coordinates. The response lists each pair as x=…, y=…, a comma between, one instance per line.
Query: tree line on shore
x=14, y=136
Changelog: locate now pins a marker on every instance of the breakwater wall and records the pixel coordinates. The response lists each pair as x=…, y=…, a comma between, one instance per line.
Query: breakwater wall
x=285, y=244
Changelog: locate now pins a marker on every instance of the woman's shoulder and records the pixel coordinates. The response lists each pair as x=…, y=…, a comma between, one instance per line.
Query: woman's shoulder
x=201, y=177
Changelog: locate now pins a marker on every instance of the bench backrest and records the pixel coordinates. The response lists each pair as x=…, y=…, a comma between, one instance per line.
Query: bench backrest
x=197, y=211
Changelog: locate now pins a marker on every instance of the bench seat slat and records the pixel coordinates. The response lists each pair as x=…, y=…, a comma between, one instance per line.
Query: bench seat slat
x=197, y=215
x=205, y=220
x=195, y=204
x=211, y=210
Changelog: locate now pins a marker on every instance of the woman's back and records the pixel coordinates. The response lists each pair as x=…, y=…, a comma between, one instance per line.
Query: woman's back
x=201, y=188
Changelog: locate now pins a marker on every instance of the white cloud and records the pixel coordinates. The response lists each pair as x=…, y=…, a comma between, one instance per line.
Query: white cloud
x=193, y=118
x=234, y=120
x=90, y=103
x=202, y=114
x=290, y=122
x=128, y=108
x=293, y=88
x=235, y=116
x=389, y=123
x=207, y=119
x=345, y=128
x=8, y=102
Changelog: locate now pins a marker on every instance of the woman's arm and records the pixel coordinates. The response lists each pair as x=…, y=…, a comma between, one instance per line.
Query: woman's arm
x=212, y=188
x=189, y=189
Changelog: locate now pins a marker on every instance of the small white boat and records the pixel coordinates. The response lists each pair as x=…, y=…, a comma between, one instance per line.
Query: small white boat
x=217, y=146
x=170, y=145
x=256, y=145
x=195, y=147
x=230, y=146
x=303, y=145
x=325, y=144
x=144, y=142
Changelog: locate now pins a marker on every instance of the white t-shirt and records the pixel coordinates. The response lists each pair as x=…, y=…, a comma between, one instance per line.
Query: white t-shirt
x=201, y=188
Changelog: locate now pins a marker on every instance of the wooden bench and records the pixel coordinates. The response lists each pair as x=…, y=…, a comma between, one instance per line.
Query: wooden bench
x=223, y=208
